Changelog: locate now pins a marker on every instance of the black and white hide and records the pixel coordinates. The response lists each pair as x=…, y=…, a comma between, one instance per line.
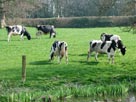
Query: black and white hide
x=17, y=30
x=109, y=37
x=116, y=38
x=60, y=50
x=45, y=29
x=106, y=47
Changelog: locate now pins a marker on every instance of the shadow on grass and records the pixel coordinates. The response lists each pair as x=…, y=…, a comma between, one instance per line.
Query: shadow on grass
x=40, y=37
x=73, y=54
x=87, y=62
x=83, y=54
x=44, y=62
x=78, y=54
x=92, y=55
x=92, y=62
x=4, y=40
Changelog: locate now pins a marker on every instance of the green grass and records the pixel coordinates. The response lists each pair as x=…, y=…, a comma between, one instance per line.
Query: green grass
x=45, y=76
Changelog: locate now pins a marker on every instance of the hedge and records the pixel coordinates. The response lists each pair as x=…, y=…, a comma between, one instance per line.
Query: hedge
x=76, y=22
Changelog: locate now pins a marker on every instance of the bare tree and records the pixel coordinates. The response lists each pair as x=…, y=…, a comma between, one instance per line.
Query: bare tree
x=104, y=5
x=58, y=7
x=21, y=8
x=2, y=13
x=129, y=8
x=17, y=9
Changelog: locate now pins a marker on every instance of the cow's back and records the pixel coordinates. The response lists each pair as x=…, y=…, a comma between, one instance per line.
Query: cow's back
x=100, y=46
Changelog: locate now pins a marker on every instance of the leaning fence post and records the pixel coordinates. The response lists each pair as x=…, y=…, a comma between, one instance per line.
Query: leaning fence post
x=23, y=68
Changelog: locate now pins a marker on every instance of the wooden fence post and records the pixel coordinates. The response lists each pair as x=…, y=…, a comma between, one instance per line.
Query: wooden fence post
x=23, y=68
x=43, y=99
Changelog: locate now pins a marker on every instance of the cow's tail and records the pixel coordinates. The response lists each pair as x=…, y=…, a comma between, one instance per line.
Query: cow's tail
x=88, y=53
x=63, y=48
x=90, y=44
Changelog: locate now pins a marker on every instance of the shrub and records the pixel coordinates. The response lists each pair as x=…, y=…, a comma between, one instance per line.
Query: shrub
x=75, y=22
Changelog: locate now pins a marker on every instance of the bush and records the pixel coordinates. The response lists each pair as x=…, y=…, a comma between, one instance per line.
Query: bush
x=75, y=22
x=79, y=22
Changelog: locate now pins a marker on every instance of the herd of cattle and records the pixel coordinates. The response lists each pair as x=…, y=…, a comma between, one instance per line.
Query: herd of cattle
x=107, y=44
x=21, y=30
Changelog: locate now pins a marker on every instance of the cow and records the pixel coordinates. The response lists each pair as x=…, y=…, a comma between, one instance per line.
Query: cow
x=59, y=49
x=116, y=38
x=105, y=47
x=17, y=30
x=108, y=37
x=45, y=29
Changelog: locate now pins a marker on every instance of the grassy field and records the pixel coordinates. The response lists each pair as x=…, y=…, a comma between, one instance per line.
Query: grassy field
x=44, y=76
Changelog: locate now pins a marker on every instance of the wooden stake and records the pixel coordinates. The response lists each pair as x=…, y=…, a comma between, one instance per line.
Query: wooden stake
x=23, y=68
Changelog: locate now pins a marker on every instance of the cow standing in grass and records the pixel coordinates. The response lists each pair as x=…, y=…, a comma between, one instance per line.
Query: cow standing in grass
x=17, y=30
x=116, y=38
x=109, y=37
x=59, y=49
x=108, y=47
x=45, y=29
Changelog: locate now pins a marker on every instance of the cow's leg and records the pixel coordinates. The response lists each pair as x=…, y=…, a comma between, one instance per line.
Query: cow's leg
x=59, y=59
x=96, y=54
x=119, y=51
x=51, y=56
x=88, y=56
x=22, y=37
x=9, y=35
x=50, y=34
x=89, y=53
x=109, y=57
x=38, y=34
x=112, y=56
x=66, y=56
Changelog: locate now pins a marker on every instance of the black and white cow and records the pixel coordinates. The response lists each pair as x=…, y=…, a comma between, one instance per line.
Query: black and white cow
x=116, y=38
x=107, y=47
x=109, y=37
x=59, y=49
x=45, y=29
x=17, y=30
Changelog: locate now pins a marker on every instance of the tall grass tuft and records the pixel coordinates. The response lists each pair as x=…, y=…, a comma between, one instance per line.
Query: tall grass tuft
x=74, y=91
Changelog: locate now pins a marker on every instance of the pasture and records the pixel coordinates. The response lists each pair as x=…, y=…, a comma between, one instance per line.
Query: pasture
x=43, y=75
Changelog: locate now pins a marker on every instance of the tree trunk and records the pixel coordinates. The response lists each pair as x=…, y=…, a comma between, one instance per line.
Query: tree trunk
x=2, y=15
x=2, y=20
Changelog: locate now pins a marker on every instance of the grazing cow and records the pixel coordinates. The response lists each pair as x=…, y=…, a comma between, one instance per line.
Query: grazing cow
x=108, y=47
x=109, y=37
x=116, y=38
x=45, y=29
x=59, y=49
x=17, y=30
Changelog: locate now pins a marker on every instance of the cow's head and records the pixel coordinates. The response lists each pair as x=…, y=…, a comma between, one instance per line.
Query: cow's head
x=26, y=33
x=54, y=34
x=8, y=28
x=38, y=26
x=123, y=50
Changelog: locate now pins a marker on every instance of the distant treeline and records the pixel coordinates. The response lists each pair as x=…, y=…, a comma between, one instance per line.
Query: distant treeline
x=77, y=22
